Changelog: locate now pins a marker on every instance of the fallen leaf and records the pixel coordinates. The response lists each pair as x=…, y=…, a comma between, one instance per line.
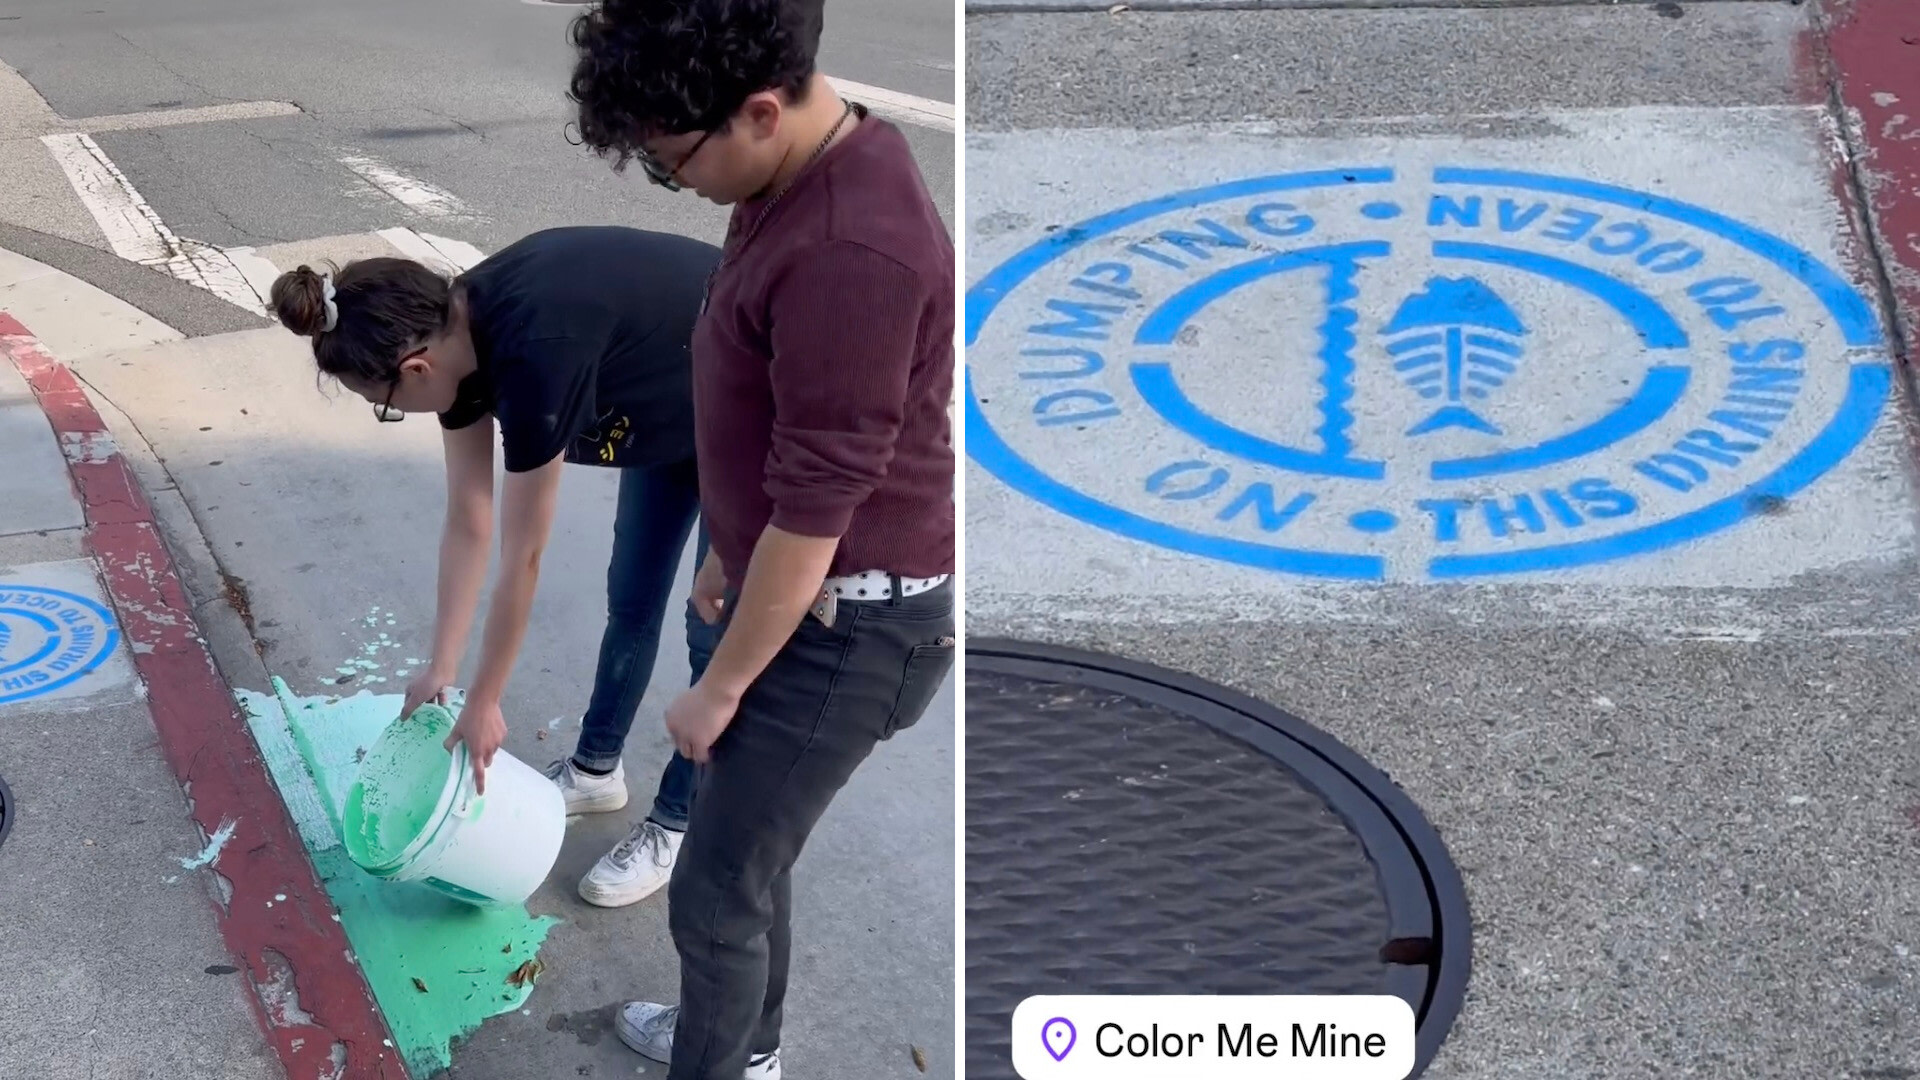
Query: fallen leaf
x=540, y=734
x=920, y=1059
x=420, y=986
x=526, y=973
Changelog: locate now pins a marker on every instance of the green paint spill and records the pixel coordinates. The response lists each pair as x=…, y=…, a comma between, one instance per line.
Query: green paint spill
x=400, y=931
x=399, y=788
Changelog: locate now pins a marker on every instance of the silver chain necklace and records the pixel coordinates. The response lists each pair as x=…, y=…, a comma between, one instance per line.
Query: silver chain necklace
x=795, y=178
x=752, y=230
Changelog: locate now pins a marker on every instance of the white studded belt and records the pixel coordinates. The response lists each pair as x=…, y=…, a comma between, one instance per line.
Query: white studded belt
x=878, y=585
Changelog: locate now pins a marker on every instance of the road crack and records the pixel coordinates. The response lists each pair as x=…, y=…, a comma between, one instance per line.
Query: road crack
x=171, y=70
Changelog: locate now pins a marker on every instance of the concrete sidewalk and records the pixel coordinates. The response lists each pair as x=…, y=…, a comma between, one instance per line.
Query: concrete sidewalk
x=1510, y=391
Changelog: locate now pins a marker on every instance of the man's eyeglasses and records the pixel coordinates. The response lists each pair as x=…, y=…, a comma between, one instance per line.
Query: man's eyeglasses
x=657, y=170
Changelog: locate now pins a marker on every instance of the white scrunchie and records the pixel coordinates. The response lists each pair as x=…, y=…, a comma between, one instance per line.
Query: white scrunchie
x=333, y=309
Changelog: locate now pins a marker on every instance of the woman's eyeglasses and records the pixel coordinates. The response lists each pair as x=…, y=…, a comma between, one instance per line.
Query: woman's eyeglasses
x=384, y=411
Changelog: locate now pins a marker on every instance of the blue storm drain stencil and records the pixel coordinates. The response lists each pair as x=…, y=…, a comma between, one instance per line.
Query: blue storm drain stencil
x=1428, y=374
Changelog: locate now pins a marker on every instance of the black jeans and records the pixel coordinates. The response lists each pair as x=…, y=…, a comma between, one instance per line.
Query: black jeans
x=830, y=696
x=656, y=510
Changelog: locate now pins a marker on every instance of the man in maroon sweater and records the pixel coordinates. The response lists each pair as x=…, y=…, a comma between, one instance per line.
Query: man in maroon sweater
x=823, y=368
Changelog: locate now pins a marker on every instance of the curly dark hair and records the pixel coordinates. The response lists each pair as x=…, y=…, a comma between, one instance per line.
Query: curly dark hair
x=387, y=306
x=670, y=67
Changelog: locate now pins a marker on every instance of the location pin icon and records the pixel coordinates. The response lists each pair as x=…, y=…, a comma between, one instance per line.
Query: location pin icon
x=1059, y=1036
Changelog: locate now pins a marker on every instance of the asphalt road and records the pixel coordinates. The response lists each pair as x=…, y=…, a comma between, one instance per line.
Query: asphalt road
x=465, y=97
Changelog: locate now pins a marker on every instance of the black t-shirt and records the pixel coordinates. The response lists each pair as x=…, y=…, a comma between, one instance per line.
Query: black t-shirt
x=583, y=337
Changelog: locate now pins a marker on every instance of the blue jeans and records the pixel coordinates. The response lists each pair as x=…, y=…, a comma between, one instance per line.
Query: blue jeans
x=657, y=508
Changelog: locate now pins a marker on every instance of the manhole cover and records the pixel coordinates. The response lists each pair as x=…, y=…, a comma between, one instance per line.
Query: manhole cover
x=1131, y=830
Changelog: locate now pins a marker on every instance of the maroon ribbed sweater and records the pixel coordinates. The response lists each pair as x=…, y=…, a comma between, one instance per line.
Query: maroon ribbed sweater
x=823, y=367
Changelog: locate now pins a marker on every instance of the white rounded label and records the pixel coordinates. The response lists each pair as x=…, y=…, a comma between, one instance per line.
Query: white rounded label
x=1215, y=1038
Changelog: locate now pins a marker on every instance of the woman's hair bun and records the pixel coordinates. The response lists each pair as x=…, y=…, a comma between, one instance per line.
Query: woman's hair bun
x=299, y=298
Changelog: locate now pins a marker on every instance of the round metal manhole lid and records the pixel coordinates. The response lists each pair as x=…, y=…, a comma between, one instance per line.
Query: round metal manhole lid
x=1134, y=831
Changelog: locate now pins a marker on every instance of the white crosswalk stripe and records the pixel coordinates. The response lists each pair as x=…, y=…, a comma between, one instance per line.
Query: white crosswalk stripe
x=136, y=232
x=451, y=256
x=416, y=195
x=894, y=105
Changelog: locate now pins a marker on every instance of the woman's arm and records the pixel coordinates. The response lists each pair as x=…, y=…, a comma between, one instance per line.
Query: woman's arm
x=463, y=556
x=527, y=510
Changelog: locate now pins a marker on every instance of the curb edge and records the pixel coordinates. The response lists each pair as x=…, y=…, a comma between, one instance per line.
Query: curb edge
x=309, y=996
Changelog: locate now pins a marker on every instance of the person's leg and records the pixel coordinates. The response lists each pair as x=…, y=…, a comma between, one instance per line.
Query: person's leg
x=674, y=799
x=640, y=864
x=657, y=507
x=766, y=1034
x=829, y=697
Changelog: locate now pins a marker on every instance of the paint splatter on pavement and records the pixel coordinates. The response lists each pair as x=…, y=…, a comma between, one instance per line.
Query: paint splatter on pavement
x=400, y=932
x=210, y=854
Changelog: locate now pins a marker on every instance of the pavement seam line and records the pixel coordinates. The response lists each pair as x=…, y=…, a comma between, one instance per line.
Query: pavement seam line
x=295, y=951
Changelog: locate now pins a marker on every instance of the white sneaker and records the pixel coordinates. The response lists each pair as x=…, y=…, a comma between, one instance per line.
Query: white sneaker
x=587, y=793
x=647, y=1029
x=635, y=869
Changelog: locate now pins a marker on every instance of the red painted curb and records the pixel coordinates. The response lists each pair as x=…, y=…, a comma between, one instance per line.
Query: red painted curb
x=309, y=996
x=1872, y=59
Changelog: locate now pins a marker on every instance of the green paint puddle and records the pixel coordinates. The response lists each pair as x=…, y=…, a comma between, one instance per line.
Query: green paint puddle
x=400, y=931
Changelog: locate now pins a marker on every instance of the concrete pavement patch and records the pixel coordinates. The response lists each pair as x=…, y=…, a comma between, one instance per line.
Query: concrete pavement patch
x=71, y=317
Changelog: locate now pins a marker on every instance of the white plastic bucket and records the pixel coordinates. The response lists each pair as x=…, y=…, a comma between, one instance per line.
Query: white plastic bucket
x=483, y=849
